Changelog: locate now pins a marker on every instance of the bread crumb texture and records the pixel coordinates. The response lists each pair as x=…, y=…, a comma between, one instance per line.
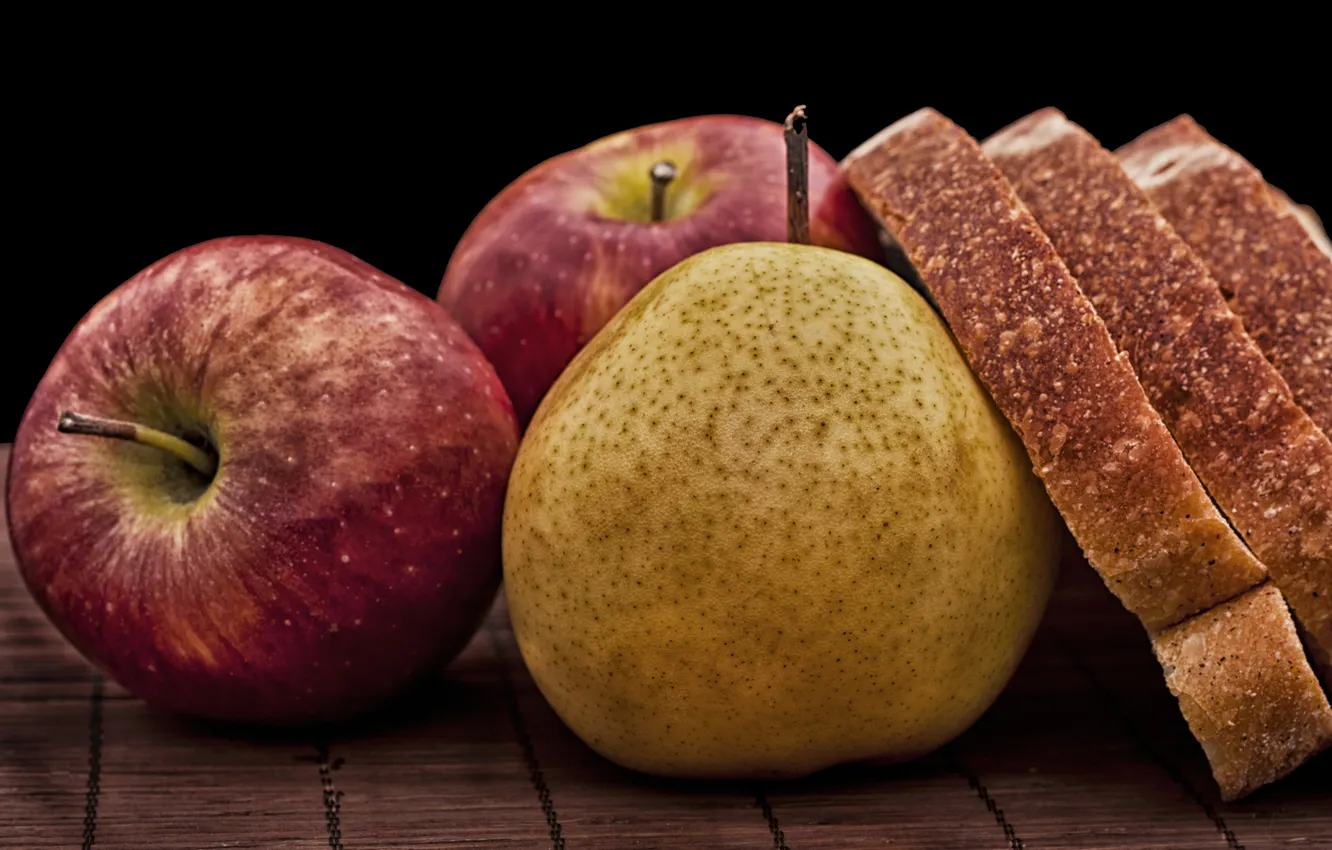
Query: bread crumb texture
x=1246, y=690
x=1107, y=460
x=1261, y=457
x=1271, y=269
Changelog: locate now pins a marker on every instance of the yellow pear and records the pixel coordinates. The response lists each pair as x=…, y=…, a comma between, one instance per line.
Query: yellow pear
x=769, y=522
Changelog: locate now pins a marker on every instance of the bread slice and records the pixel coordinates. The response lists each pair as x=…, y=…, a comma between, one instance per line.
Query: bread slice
x=1272, y=271
x=1245, y=689
x=1107, y=460
x=1262, y=459
x=1313, y=225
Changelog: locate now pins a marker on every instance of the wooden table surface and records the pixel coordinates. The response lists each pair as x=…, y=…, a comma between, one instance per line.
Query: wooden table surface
x=1085, y=749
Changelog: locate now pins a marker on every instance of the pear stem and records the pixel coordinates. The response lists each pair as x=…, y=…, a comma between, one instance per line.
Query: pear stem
x=662, y=174
x=116, y=429
x=797, y=177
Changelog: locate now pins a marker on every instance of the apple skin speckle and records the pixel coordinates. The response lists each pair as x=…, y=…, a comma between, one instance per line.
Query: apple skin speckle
x=580, y=242
x=347, y=491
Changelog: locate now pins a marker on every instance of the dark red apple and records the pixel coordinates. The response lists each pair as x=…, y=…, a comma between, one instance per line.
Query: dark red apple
x=303, y=512
x=564, y=247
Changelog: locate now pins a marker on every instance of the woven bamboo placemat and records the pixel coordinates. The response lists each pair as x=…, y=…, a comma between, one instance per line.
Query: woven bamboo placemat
x=1085, y=749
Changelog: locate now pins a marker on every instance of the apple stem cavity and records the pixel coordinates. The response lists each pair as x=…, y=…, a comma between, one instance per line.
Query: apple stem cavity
x=797, y=177
x=116, y=429
x=662, y=173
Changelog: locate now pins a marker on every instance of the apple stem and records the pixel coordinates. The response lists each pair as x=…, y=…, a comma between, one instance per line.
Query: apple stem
x=662, y=174
x=96, y=426
x=797, y=177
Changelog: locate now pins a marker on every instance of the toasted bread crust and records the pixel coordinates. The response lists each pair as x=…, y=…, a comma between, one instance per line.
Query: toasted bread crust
x=1261, y=457
x=1272, y=271
x=1107, y=460
x=1308, y=218
x=1246, y=690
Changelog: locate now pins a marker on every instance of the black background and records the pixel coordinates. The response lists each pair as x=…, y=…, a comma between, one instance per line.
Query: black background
x=389, y=153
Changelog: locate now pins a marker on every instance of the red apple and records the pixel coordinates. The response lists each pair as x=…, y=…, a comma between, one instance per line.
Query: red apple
x=348, y=539
x=559, y=251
